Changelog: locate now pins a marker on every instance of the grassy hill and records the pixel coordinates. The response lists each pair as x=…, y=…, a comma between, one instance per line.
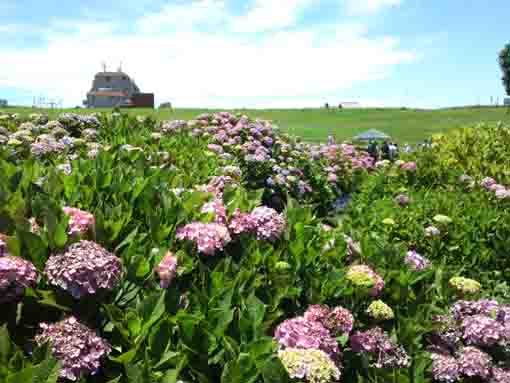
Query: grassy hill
x=405, y=125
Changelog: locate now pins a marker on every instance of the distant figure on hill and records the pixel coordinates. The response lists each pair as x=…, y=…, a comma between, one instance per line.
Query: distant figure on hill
x=385, y=149
x=373, y=150
x=392, y=151
x=340, y=106
x=331, y=140
x=326, y=106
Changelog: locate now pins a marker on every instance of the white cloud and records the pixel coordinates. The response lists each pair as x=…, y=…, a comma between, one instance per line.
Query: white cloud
x=369, y=6
x=183, y=16
x=192, y=68
x=267, y=15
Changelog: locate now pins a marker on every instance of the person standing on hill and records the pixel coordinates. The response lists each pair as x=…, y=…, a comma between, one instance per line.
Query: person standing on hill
x=385, y=151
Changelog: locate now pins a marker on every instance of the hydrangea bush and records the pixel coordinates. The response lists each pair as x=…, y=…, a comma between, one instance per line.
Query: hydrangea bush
x=220, y=249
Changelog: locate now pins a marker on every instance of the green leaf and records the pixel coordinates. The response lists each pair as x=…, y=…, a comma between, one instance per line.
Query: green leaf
x=60, y=235
x=5, y=345
x=274, y=372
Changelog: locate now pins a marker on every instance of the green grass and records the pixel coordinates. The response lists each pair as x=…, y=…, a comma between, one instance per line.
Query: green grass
x=404, y=125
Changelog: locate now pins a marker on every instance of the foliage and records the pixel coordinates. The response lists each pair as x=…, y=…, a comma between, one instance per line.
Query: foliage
x=504, y=63
x=212, y=317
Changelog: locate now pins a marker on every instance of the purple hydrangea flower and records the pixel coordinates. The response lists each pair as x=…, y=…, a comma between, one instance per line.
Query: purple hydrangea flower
x=84, y=269
x=16, y=274
x=209, y=237
x=416, y=261
x=76, y=346
x=167, y=269
x=487, y=182
x=338, y=320
x=377, y=343
x=482, y=330
x=445, y=368
x=242, y=222
x=270, y=225
x=475, y=363
x=305, y=334
x=462, y=309
x=402, y=200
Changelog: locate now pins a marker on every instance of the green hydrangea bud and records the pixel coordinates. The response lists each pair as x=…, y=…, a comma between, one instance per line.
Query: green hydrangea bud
x=465, y=285
x=311, y=365
x=282, y=266
x=389, y=221
x=380, y=311
x=444, y=219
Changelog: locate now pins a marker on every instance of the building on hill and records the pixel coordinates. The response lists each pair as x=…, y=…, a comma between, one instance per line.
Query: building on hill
x=3, y=103
x=116, y=89
x=349, y=104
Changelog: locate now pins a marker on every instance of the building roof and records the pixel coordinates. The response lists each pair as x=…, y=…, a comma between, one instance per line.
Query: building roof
x=108, y=93
x=111, y=74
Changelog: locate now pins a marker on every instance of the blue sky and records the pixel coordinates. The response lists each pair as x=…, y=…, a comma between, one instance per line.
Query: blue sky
x=258, y=53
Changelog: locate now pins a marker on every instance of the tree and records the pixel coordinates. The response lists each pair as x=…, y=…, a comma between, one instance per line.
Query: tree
x=504, y=63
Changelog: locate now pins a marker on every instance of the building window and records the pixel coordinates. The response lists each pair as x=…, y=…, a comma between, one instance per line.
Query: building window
x=107, y=78
x=124, y=77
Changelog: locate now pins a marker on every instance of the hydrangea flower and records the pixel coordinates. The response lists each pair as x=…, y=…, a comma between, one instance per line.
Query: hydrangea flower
x=3, y=245
x=217, y=209
x=16, y=274
x=462, y=309
x=475, y=363
x=410, y=166
x=377, y=343
x=416, y=261
x=432, y=231
x=269, y=224
x=75, y=346
x=242, y=222
x=487, y=182
x=363, y=276
x=380, y=311
x=445, y=368
x=500, y=375
x=465, y=285
x=481, y=330
x=84, y=269
x=167, y=269
x=337, y=320
x=305, y=334
x=310, y=365
x=402, y=200
x=80, y=221
x=209, y=237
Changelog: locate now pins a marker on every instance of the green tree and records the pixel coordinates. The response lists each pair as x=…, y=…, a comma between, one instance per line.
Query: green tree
x=504, y=63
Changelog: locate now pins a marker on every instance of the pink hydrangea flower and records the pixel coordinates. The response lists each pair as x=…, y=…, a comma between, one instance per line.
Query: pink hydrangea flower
x=84, y=269
x=217, y=209
x=167, y=269
x=209, y=237
x=411, y=166
x=270, y=225
x=305, y=334
x=80, y=221
x=75, y=346
x=16, y=274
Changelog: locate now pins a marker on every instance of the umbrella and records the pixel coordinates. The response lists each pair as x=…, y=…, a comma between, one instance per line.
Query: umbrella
x=371, y=134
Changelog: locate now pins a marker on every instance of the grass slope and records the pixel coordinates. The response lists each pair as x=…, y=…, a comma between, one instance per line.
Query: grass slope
x=405, y=125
